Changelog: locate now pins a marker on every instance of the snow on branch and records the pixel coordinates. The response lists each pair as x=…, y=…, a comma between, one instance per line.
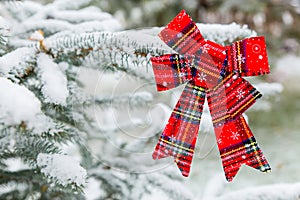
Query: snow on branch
x=225, y=33
x=10, y=0
x=269, y=192
x=55, y=17
x=17, y=62
x=52, y=26
x=4, y=29
x=123, y=185
x=24, y=10
x=54, y=80
x=90, y=13
x=159, y=185
x=70, y=4
x=220, y=33
x=139, y=42
x=18, y=106
x=133, y=100
x=17, y=103
x=123, y=51
x=62, y=169
x=127, y=42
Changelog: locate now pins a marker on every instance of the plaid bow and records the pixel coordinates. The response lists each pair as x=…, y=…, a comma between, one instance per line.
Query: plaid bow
x=214, y=72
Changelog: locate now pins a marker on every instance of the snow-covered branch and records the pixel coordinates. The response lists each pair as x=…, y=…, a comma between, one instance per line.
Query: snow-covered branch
x=269, y=192
x=225, y=33
x=3, y=32
x=62, y=169
x=133, y=100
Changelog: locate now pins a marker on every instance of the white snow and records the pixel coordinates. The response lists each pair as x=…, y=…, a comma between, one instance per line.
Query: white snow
x=37, y=36
x=54, y=26
x=62, y=168
x=15, y=164
x=93, y=189
x=70, y=4
x=225, y=32
x=269, y=192
x=214, y=187
x=15, y=59
x=87, y=14
x=4, y=30
x=90, y=26
x=17, y=103
x=57, y=17
x=54, y=80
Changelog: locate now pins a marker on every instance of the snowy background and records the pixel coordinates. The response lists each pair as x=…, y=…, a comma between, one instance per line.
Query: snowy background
x=75, y=77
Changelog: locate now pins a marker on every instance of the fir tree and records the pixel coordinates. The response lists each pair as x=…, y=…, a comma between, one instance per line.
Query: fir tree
x=59, y=140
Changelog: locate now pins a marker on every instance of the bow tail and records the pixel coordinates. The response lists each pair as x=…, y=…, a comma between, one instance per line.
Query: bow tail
x=238, y=146
x=236, y=142
x=179, y=137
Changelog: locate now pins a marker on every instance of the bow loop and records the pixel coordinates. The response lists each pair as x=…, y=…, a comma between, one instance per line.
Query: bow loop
x=248, y=57
x=182, y=35
x=171, y=70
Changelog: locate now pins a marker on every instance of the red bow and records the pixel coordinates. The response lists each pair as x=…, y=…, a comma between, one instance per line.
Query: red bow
x=213, y=71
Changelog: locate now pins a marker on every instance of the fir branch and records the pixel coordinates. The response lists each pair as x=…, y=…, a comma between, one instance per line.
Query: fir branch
x=170, y=188
x=114, y=186
x=4, y=30
x=18, y=64
x=120, y=47
x=136, y=186
x=225, y=34
x=62, y=170
x=221, y=33
x=83, y=15
x=69, y=4
x=10, y=0
x=133, y=100
x=52, y=26
x=63, y=135
x=21, y=176
x=275, y=192
x=13, y=194
x=34, y=184
x=36, y=147
x=3, y=39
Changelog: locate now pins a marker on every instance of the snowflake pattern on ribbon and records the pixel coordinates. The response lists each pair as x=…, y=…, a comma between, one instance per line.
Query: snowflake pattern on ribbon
x=215, y=72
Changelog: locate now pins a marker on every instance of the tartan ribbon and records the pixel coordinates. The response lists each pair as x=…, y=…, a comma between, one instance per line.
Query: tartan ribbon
x=215, y=72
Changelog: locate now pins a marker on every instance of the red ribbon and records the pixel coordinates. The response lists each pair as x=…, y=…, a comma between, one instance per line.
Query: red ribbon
x=214, y=72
